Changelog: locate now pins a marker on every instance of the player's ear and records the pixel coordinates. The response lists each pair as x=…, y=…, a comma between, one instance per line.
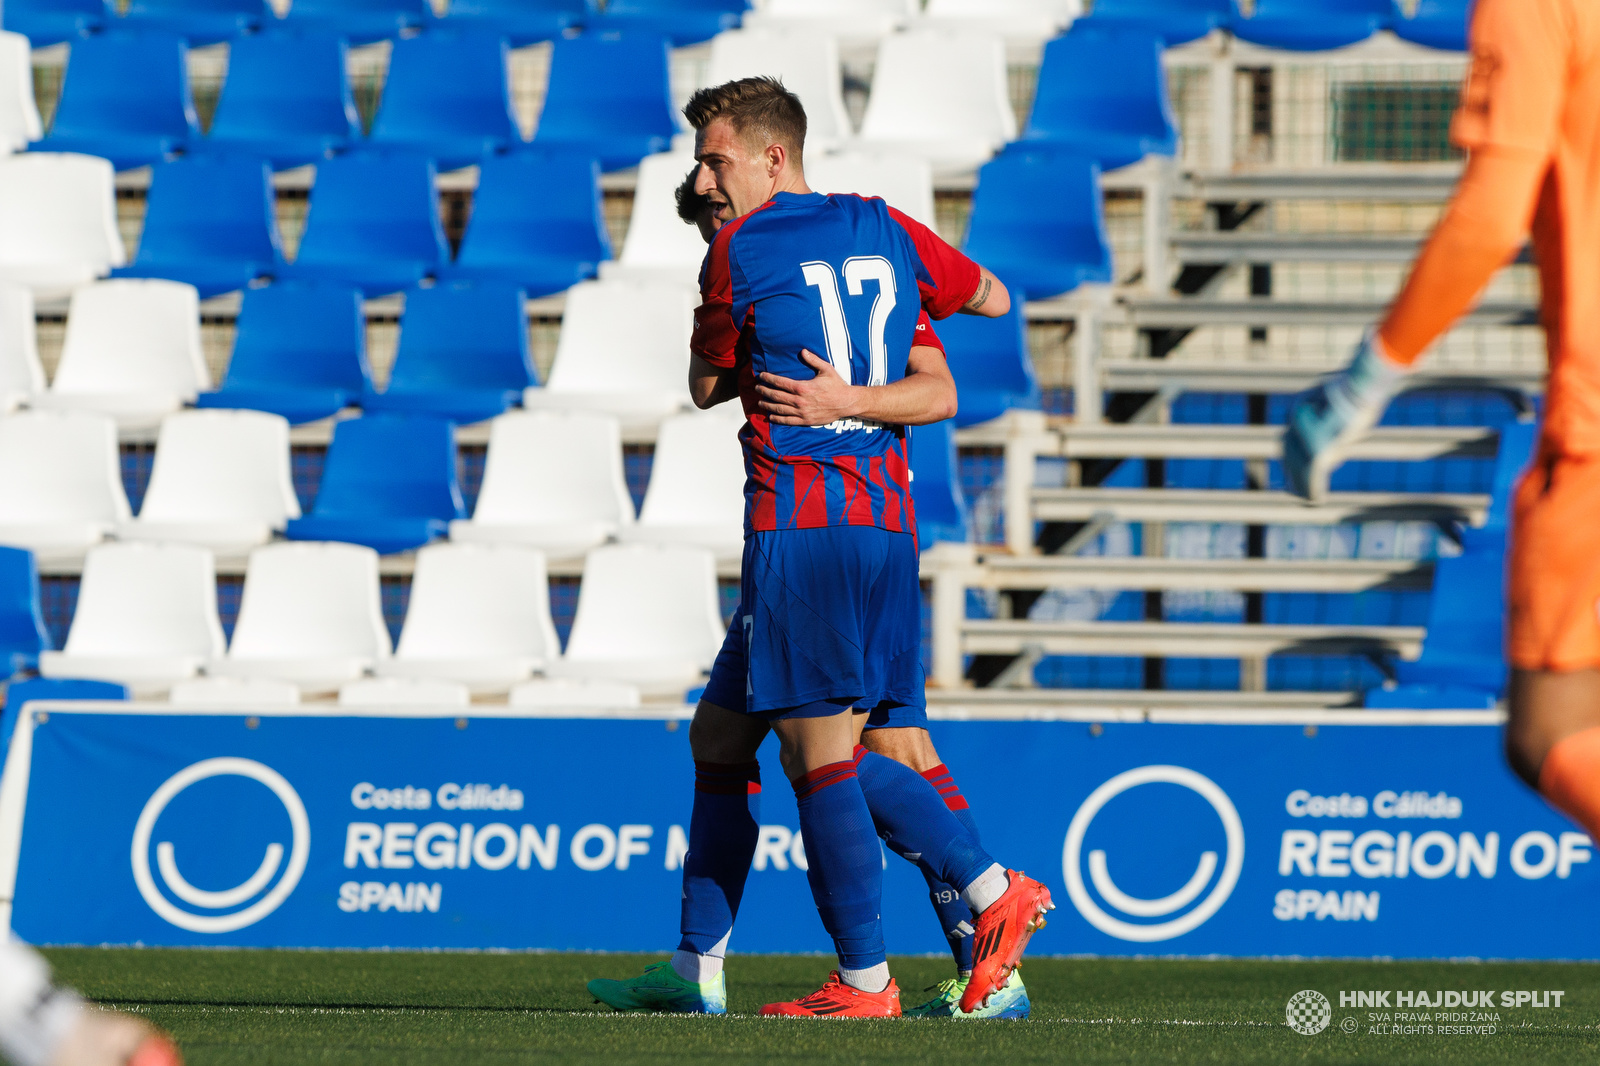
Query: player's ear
x=776, y=155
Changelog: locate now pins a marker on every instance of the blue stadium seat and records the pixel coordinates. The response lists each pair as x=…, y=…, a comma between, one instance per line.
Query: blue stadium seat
x=680, y=21
x=40, y=688
x=1103, y=93
x=286, y=99
x=1436, y=24
x=208, y=221
x=1174, y=21
x=199, y=22
x=47, y=22
x=989, y=359
x=609, y=96
x=1038, y=222
x=521, y=22
x=299, y=351
x=447, y=96
x=463, y=353
x=1314, y=25
x=362, y=21
x=936, y=485
x=373, y=222
x=22, y=631
x=536, y=222
x=389, y=483
x=126, y=98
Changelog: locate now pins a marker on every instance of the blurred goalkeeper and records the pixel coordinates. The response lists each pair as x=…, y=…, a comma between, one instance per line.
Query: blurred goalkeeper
x=1530, y=118
x=43, y=1024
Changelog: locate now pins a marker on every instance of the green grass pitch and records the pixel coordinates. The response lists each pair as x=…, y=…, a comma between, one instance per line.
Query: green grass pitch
x=422, y=1009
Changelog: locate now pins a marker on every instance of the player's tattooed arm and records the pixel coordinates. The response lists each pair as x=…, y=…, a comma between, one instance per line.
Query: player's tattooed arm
x=710, y=385
x=990, y=299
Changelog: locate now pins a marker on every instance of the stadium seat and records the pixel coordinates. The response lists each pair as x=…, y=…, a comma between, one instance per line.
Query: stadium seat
x=235, y=693
x=567, y=693
x=1174, y=21
x=855, y=20
x=1314, y=25
x=905, y=182
x=19, y=115
x=19, y=693
x=536, y=222
x=200, y=22
x=696, y=493
x=448, y=96
x=479, y=616
x=299, y=350
x=563, y=506
x=608, y=97
x=60, y=482
x=389, y=483
x=21, y=374
x=1438, y=24
x=808, y=64
x=286, y=99
x=22, y=630
x=383, y=692
x=623, y=351
x=647, y=616
x=941, y=95
x=1016, y=20
x=1103, y=94
x=463, y=353
x=132, y=351
x=361, y=21
x=125, y=97
x=146, y=618
x=208, y=222
x=373, y=222
x=47, y=22
x=682, y=22
x=660, y=243
x=521, y=22
x=221, y=480
x=1038, y=222
x=936, y=485
x=58, y=222
x=311, y=615
x=989, y=360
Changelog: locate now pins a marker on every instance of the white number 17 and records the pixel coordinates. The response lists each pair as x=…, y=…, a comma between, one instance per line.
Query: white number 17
x=835, y=331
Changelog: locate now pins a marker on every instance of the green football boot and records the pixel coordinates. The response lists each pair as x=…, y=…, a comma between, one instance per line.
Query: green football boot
x=1010, y=1002
x=660, y=989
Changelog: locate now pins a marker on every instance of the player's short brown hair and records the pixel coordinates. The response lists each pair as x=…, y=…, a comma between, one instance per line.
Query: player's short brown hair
x=759, y=106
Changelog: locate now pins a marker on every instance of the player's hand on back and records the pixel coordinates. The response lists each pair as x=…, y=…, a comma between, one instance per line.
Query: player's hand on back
x=825, y=398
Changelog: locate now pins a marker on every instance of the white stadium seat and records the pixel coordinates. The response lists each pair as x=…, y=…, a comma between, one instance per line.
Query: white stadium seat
x=132, y=351
x=146, y=618
x=21, y=375
x=221, y=478
x=807, y=62
x=230, y=693
x=624, y=351
x=19, y=115
x=311, y=614
x=552, y=480
x=403, y=692
x=905, y=182
x=60, y=484
x=940, y=94
x=479, y=616
x=647, y=616
x=854, y=20
x=1016, y=20
x=566, y=693
x=696, y=493
x=58, y=221
x=659, y=244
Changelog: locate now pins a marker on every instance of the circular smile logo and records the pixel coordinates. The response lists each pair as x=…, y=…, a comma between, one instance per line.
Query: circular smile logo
x=252, y=888
x=1204, y=876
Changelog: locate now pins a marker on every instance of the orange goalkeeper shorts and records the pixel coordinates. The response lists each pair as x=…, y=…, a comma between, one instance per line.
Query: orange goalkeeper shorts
x=1554, y=588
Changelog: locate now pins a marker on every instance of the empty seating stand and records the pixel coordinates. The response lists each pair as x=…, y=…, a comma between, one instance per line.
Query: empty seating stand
x=850, y=20
x=21, y=374
x=47, y=22
x=1174, y=21
x=904, y=182
x=60, y=483
x=463, y=353
x=22, y=630
x=125, y=98
x=58, y=222
x=936, y=485
x=1103, y=95
x=696, y=493
x=941, y=95
x=521, y=22
x=286, y=99
x=200, y=22
x=362, y=21
x=1314, y=25
x=1038, y=221
x=389, y=483
x=682, y=22
x=388, y=692
x=989, y=360
x=1438, y=24
x=806, y=60
x=447, y=96
x=609, y=98
x=19, y=115
x=1015, y=20
x=659, y=243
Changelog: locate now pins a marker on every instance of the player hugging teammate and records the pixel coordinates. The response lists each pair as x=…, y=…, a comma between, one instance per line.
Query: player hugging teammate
x=825, y=648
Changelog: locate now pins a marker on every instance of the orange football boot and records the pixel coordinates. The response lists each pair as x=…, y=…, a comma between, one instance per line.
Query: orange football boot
x=835, y=999
x=1000, y=934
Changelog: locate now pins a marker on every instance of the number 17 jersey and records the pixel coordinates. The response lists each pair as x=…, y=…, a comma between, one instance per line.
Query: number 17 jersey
x=846, y=278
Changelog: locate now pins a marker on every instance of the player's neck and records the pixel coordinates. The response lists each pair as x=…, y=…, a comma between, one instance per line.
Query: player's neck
x=791, y=181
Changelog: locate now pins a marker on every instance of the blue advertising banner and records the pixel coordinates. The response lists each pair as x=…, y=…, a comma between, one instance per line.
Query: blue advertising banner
x=407, y=831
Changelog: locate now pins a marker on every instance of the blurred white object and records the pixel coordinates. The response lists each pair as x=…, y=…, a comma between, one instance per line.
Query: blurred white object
x=146, y=618
x=19, y=115
x=21, y=375
x=552, y=480
x=1032, y=21
x=696, y=493
x=227, y=693
x=570, y=692
x=221, y=479
x=479, y=616
x=60, y=482
x=403, y=692
x=806, y=61
x=905, y=182
x=940, y=94
x=58, y=221
x=659, y=244
x=854, y=20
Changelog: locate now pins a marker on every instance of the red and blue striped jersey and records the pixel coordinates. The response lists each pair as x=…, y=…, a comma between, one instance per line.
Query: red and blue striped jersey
x=854, y=281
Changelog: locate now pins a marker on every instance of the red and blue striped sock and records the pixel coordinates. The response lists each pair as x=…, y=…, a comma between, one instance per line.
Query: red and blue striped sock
x=722, y=842
x=844, y=865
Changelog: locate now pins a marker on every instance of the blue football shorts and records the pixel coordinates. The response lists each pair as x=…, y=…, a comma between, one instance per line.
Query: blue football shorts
x=829, y=616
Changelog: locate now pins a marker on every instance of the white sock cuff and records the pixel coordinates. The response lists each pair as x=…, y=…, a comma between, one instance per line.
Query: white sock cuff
x=986, y=888
x=697, y=968
x=872, y=979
